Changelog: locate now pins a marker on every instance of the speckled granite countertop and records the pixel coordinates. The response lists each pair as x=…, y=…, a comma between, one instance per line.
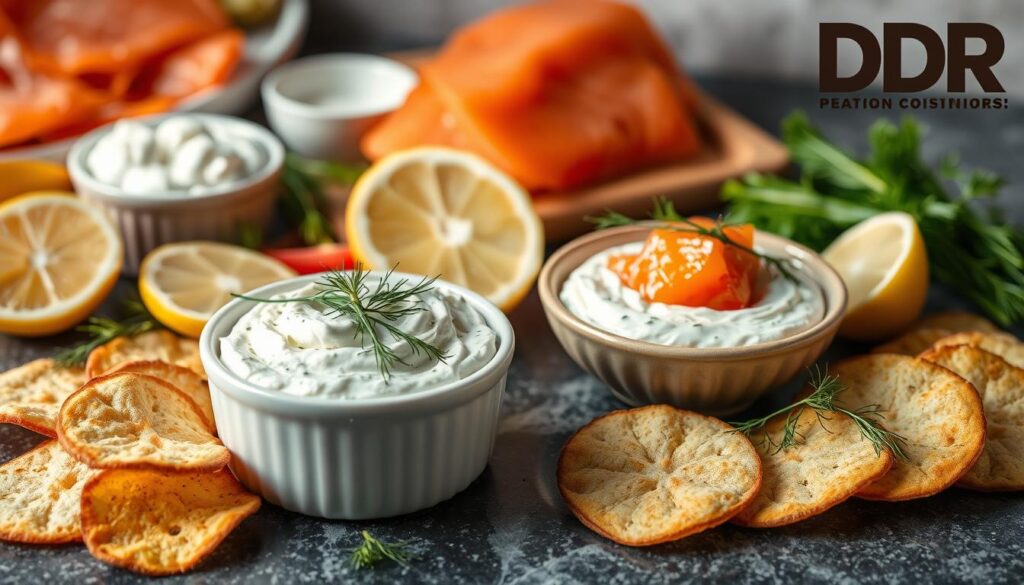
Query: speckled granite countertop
x=510, y=526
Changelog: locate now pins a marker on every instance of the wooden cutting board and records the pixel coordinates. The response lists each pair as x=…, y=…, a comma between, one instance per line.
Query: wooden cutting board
x=732, y=146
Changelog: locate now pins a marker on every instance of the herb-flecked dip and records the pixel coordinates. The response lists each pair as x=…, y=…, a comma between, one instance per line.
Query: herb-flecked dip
x=596, y=294
x=304, y=348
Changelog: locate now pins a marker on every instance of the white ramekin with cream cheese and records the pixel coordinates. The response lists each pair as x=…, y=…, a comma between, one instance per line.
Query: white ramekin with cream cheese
x=210, y=193
x=341, y=451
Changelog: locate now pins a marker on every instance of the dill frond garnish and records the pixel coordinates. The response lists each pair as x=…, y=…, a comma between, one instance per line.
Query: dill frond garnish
x=136, y=319
x=822, y=400
x=373, y=551
x=375, y=309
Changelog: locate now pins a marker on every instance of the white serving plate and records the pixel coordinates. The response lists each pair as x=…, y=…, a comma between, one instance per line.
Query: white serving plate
x=264, y=49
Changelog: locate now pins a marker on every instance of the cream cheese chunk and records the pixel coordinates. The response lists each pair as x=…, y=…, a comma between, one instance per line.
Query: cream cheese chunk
x=181, y=155
x=298, y=348
x=595, y=294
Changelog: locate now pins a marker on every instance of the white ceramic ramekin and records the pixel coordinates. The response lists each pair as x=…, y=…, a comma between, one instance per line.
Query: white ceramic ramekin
x=322, y=105
x=357, y=459
x=148, y=221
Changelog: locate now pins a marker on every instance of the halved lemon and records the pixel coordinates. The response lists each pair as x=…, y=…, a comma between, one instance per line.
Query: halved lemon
x=442, y=212
x=59, y=258
x=18, y=177
x=885, y=266
x=183, y=284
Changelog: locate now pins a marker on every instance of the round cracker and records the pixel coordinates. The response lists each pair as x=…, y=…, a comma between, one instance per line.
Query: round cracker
x=656, y=474
x=160, y=345
x=158, y=523
x=913, y=342
x=1001, y=385
x=40, y=493
x=1003, y=345
x=184, y=379
x=957, y=321
x=938, y=413
x=31, y=394
x=132, y=421
x=830, y=462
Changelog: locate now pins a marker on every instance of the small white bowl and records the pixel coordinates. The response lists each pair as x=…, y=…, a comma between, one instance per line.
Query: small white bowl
x=148, y=221
x=357, y=459
x=322, y=105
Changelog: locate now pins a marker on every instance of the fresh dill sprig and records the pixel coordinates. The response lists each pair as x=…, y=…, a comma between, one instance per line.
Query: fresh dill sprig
x=665, y=211
x=373, y=309
x=971, y=248
x=101, y=330
x=822, y=400
x=305, y=182
x=372, y=551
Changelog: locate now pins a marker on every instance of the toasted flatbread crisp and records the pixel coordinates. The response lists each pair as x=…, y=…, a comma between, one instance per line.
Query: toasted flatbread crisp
x=656, y=474
x=1001, y=465
x=184, y=379
x=938, y=413
x=31, y=394
x=40, y=493
x=161, y=345
x=133, y=421
x=957, y=322
x=913, y=342
x=829, y=464
x=159, y=523
x=1003, y=345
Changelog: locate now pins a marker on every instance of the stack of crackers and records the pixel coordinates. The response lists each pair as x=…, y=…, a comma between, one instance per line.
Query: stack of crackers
x=134, y=467
x=952, y=388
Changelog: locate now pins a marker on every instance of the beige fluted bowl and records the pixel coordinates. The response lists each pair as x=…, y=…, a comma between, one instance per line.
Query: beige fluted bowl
x=716, y=381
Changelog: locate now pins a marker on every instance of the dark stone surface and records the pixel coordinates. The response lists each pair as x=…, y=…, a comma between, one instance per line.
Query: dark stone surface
x=510, y=526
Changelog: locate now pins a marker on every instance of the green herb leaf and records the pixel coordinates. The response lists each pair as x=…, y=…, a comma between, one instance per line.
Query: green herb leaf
x=979, y=255
x=374, y=309
x=822, y=400
x=373, y=551
x=135, y=320
x=304, y=182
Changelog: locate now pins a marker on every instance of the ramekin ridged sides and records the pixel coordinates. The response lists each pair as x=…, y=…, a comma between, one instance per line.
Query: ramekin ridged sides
x=357, y=459
x=717, y=381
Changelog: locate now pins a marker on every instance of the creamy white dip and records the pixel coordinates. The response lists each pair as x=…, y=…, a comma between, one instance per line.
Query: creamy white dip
x=595, y=294
x=297, y=348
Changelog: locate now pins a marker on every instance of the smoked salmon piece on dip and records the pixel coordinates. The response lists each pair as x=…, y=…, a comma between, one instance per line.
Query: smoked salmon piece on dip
x=558, y=93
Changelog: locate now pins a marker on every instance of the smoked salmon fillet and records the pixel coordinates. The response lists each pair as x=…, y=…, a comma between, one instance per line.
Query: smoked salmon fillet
x=558, y=93
x=33, y=103
x=79, y=37
x=67, y=66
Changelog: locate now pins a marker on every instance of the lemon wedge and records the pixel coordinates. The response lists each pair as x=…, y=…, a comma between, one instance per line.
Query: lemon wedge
x=443, y=212
x=18, y=177
x=885, y=267
x=183, y=284
x=59, y=258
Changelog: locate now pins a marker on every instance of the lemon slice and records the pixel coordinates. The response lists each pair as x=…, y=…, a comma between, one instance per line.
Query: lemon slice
x=59, y=258
x=885, y=267
x=18, y=177
x=442, y=212
x=183, y=284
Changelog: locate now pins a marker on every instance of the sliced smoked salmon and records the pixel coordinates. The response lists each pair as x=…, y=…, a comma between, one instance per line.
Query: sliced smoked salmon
x=109, y=36
x=67, y=66
x=558, y=93
x=33, y=103
x=203, y=64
